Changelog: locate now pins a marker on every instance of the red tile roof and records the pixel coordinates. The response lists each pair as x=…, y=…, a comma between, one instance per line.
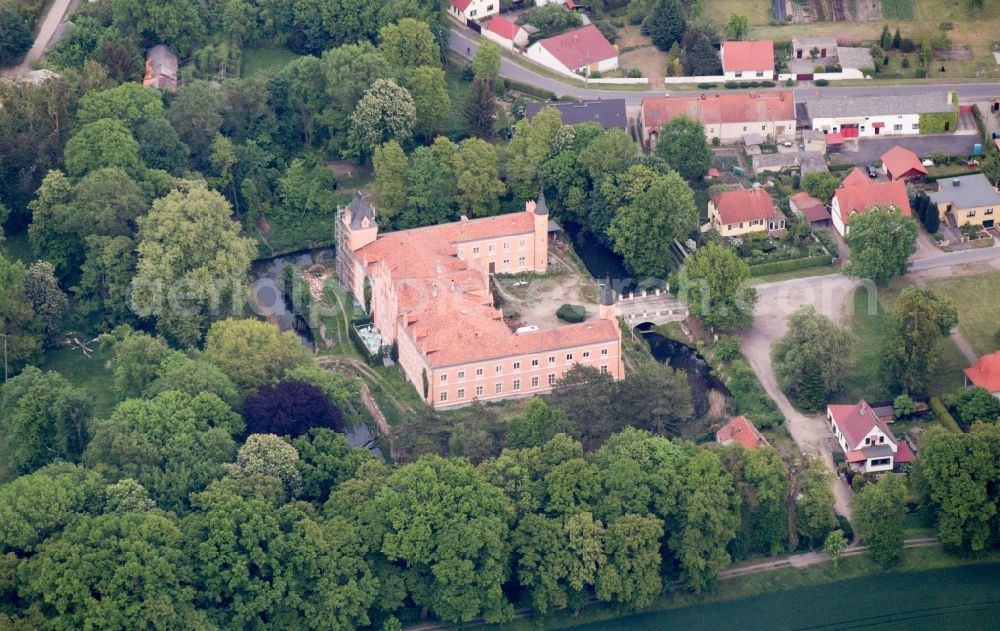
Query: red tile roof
x=985, y=373
x=742, y=431
x=461, y=5
x=835, y=138
x=503, y=28
x=900, y=162
x=856, y=177
x=740, y=56
x=858, y=199
x=579, y=47
x=745, y=204
x=856, y=422
x=742, y=107
x=810, y=207
x=903, y=453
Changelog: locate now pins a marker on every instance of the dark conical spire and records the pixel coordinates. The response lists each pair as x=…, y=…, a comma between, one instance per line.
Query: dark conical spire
x=540, y=207
x=608, y=296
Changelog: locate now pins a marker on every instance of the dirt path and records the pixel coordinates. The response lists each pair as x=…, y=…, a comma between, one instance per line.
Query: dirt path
x=956, y=337
x=50, y=23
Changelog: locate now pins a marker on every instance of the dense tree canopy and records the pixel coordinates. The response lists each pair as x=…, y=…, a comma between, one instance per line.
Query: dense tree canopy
x=882, y=242
x=714, y=284
x=920, y=319
x=683, y=145
x=878, y=516
x=812, y=359
x=253, y=353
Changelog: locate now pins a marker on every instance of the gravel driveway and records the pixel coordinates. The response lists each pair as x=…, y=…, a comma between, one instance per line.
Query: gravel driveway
x=871, y=149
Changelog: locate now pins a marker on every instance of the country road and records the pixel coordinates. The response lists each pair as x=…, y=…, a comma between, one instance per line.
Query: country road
x=46, y=30
x=804, y=559
x=464, y=43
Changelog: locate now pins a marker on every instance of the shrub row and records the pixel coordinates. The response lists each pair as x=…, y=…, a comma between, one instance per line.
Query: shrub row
x=527, y=88
x=732, y=85
x=706, y=86
x=777, y=267
x=930, y=179
x=943, y=416
x=749, y=397
x=821, y=83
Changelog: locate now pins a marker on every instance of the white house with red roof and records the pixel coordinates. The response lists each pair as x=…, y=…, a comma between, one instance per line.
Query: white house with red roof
x=476, y=10
x=866, y=440
x=985, y=373
x=864, y=196
x=740, y=431
x=748, y=59
x=726, y=116
x=742, y=211
x=902, y=164
x=582, y=51
x=505, y=33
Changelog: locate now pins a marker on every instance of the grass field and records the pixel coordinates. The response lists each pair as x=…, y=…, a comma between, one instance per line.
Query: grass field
x=897, y=9
x=977, y=298
x=866, y=379
x=266, y=60
x=88, y=374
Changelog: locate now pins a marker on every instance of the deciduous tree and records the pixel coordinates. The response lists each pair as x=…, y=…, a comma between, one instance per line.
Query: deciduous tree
x=136, y=358
x=486, y=62
x=390, y=166
x=477, y=168
x=290, y=408
x=253, y=353
x=538, y=425
x=666, y=24
x=533, y=143
x=835, y=545
x=630, y=574
x=46, y=298
x=714, y=285
x=812, y=358
x=22, y=328
x=920, y=319
x=683, y=145
x=587, y=396
x=882, y=242
x=815, y=517
x=820, y=185
x=737, y=27
x=104, y=143
x=408, y=43
x=430, y=99
x=656, y=398
x=386, y=112
x=878, y=516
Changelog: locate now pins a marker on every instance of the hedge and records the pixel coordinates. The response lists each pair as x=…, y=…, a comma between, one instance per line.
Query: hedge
x=707, y=86
x=930, y=179
x=943, y=416
x=934, y=123
x=571, y=313
x=527, y=88
x=359, y=344
x=777, y=267
x=821, y=83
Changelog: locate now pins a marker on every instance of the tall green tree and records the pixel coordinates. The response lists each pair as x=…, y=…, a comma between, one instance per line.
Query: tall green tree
x=390, y=166
x=820, y=185
x=480, y=110
x=46, y=298
x=699, y=56
x=183, y=373
x=196, y=114
x=587, y=396
x=106, y=276
x=430, y=99
x=714, y=285
x=253, y=353
x=386, y=112
x=486, y=62
x=765, y=499
x=429, y=188
x=630, y=574
x=175, y=23
x=409, y=44
x=544, y=559
x=814, y=509
x=534, y=141
x=104, y=143
x=538, y=425
x=737, y=27
x=607, y=154
x=44, y=418
x=136, y=358
x=878, y=516
x=192, y=263
x=656, y=398
x=882, y=242
x=920, y=319
x=643, y=231
x=15, y=32
x=666, y=24
x=19, y=324
x=477, y=168
x=812, y=358
x=683, y=145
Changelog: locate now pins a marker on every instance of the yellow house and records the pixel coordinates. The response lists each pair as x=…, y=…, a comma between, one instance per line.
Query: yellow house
x=969, y=199
x=746, y=210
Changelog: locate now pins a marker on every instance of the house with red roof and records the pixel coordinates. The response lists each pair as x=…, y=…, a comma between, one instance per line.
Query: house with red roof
x=742, y=211
x=748, y=60
x=505, y=33
x=740, y=431
x=726, y=116
x=475, y=10
x=902, y=164
x=868, y=443
x=856, y=177
x=985, y=373
x=859, y=198
x=427, y=292
x=582, y=51
x=814, y=210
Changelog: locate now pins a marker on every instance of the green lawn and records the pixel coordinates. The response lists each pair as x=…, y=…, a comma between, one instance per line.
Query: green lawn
x=88, y=374
x=292, y=232
x=266, y=60
x=977, y=298
x=865, y=379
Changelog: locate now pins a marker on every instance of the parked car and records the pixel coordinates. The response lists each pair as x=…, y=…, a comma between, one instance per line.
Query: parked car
x=870, y=170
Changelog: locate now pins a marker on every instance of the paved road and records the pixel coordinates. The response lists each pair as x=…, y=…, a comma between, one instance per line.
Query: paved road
x=464, y=43
x=47, y=29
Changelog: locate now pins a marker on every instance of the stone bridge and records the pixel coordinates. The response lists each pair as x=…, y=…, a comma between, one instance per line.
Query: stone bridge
x=656, y=305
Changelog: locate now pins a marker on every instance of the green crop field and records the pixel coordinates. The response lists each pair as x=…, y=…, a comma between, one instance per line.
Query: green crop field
x=954, y=598
x=897, y=9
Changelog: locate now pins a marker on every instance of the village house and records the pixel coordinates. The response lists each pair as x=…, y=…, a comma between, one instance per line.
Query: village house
x=814, y=210
x=610, y=113
x=810, y=52
x=427, y=292
x=505, y=33
x=870, y=116
x=859, y=197
x=965, y=200
x=726, y=116
x=985, y=373
x=866, y=440
x=475, y=10
x=161, y=69
x=742, y=432
x=748, y=59
x=742, y=211
x=902, y=164
x=582, y=51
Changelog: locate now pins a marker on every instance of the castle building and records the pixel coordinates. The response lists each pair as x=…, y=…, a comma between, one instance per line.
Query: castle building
x=429, y=294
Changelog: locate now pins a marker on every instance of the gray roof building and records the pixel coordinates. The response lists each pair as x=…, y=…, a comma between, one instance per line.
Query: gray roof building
x=610, y=113
x=361, y=209
x=855, y=106
x=968, y=191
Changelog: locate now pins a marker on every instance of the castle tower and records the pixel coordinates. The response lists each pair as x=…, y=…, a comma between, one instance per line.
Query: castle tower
x=359, y=223
x=607, y=308
x=541, y=214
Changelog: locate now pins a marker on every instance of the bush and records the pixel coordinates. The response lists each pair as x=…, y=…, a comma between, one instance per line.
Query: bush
x=634, y=73
x=527, y=88
x=731, y=85
x=716, y=141
x=767, y=84
x=778, y=267
x=755, y=84
x=845, y=525
x=819, y=69
x=597, y=74
x=789, y=83
x=943, y=416
x=903, y=406
x=708, y=86
x=744, y=84
x=727, y=348
x=571, y=313
x=822, y=83
x=749, y=397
